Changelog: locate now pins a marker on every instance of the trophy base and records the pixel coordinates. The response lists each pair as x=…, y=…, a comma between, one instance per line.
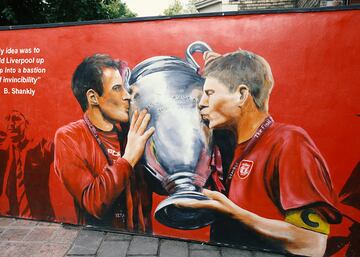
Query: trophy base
x=183, y=218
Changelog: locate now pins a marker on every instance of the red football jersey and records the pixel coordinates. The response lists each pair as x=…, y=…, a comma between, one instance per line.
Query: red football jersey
x=105, y=195
x=283, y=171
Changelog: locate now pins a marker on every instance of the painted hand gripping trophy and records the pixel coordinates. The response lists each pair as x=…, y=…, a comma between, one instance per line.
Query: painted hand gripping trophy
x=178, y=153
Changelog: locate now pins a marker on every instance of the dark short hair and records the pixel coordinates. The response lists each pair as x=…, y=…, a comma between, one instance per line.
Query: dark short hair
x=89, y=75
x=244, y=67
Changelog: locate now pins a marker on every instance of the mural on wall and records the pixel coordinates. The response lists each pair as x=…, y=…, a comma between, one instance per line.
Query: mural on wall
x=269, y=160
x=349, y=195
x=179, y=153
x=25, y=169
x=209, y=137
x=91, y=158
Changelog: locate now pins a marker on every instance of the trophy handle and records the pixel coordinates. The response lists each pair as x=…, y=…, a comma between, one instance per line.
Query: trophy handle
x=197, y=46
x=126, y=78
x=152, y=171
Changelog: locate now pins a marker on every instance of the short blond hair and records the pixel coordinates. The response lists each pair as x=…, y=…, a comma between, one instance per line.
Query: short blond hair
x=244, y=67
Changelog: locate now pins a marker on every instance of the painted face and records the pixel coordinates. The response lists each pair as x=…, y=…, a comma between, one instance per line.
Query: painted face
x=115, y=100
x=16, y=126
x=218, y=106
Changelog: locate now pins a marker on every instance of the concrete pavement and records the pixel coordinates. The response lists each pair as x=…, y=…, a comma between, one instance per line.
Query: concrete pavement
x=27, y=238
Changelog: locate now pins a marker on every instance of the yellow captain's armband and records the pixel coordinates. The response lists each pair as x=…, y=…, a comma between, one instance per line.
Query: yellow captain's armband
x=308, y=219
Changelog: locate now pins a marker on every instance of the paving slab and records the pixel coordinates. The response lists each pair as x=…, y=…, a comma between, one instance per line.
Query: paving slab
x=15, y=234
x=77, y=250
x=80, y=255
x=86, y=243
x=231, y=252
x=172, y=248
x=64, y=235
x=53, y=250
x=142, y=245
x=28, y=238
x=205, y=253
x=117, y=237
x=19, y=249
x=113, y=249
x=141, y=255
x=42, y=234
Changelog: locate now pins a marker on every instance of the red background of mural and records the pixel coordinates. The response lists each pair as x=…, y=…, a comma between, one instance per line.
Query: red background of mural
x=314, y=58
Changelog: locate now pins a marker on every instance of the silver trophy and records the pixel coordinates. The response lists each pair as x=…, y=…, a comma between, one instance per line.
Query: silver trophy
x=178, y=154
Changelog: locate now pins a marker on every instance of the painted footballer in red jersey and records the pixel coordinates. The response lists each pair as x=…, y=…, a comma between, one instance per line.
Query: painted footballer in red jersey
x=91, y=158
x=277, y=193
x=76, y=150
x=284, y=172
x=284, y=156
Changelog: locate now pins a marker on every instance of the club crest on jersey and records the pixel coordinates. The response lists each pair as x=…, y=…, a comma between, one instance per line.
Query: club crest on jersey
x=245, y=168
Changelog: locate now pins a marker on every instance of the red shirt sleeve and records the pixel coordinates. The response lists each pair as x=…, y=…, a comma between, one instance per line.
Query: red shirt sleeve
x=303, y=176
x=94, y=193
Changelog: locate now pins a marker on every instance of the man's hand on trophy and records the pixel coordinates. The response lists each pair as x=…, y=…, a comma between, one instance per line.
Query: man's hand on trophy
x=217, y=202
x=137, y=137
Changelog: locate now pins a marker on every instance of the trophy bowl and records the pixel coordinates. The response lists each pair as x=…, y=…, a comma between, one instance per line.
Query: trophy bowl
x=178, y=154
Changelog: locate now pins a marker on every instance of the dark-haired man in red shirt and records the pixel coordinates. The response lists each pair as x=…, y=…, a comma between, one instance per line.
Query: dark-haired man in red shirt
x=92, y=156
x=277, y=193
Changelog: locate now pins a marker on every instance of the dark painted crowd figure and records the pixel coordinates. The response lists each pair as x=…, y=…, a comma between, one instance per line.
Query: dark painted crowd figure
x=25, y=168
x=4, y=154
